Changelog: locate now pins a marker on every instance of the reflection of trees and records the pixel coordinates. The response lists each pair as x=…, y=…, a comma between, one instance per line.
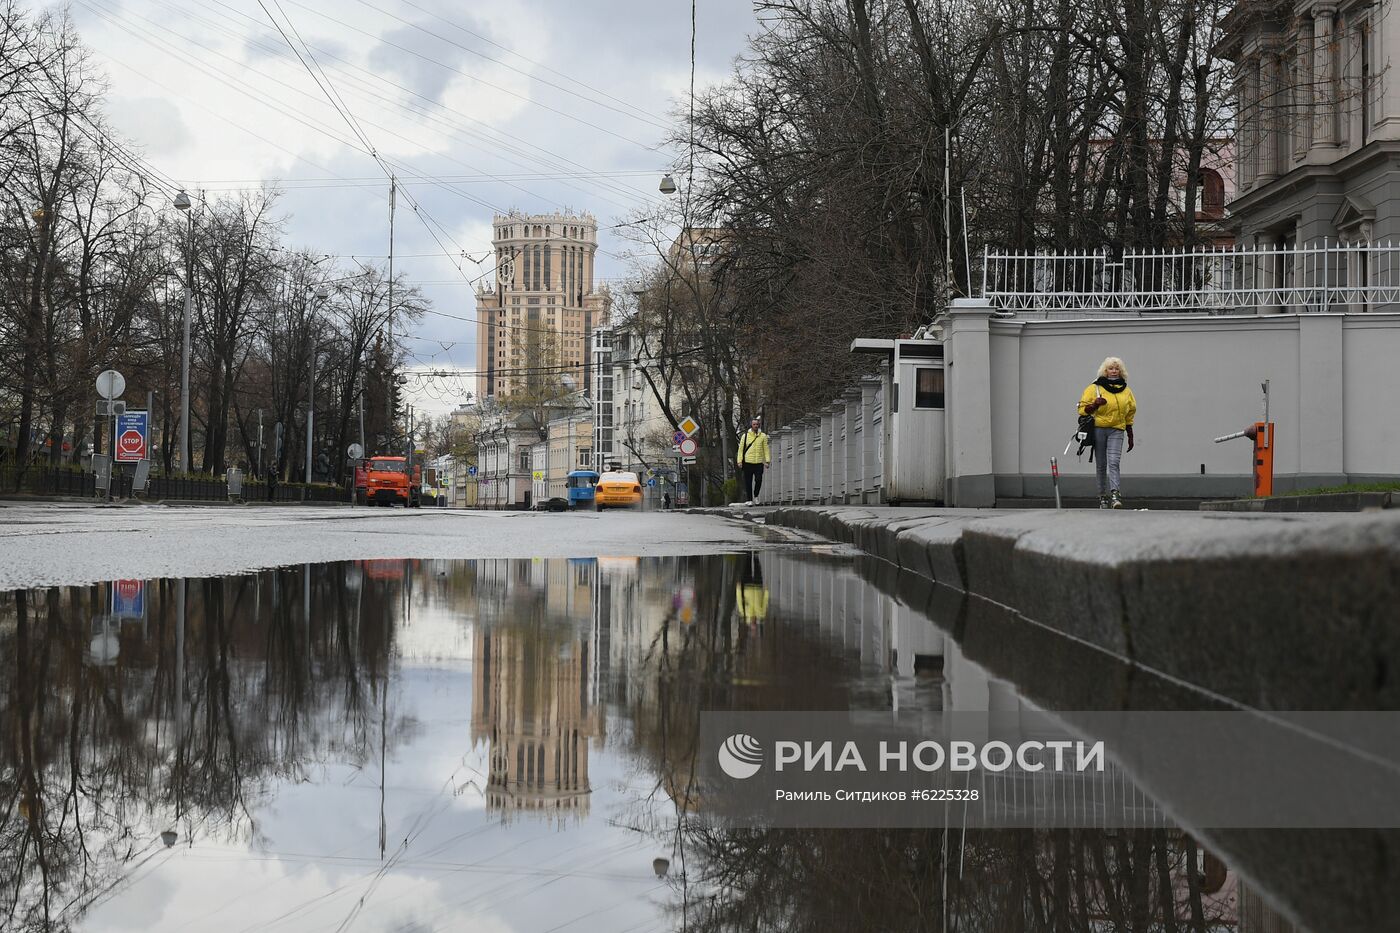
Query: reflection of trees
x=916, y=879
x=887, y=879
x=185, y=728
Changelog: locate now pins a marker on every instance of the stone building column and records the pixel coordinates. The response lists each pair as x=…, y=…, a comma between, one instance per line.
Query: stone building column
x=1270, y=112
x=1324, y=72
x=1249, y=124
x=1355, y=84
x=1300, y=116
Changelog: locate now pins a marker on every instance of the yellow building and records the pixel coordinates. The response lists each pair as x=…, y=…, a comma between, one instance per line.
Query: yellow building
x=533, y=699
x=537, y=315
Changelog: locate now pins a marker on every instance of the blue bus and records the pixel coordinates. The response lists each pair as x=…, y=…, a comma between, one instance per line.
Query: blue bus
x=580, y=484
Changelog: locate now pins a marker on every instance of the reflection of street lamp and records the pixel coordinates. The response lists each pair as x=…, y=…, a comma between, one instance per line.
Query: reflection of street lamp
x=661, y=866
x=182, y=202
x=169, y=837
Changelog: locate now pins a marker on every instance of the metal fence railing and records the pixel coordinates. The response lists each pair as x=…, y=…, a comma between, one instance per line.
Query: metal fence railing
x=1319, y=277
x=44, y=479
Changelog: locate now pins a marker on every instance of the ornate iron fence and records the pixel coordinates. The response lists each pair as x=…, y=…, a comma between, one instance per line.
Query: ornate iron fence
x=1318, y=277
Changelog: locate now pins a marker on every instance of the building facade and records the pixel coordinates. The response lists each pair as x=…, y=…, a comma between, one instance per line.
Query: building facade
x=630, y=428
x=536, y=315
x=1318, y=140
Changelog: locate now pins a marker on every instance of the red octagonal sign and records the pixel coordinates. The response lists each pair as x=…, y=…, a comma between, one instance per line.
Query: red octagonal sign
x=132, y=445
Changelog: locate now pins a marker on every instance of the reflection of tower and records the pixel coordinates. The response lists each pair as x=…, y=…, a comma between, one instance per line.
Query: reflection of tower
x=533, y=703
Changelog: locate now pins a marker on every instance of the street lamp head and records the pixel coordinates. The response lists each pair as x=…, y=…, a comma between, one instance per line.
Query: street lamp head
x=668, y=184
x=322, y=294
x=182, y=200
x=169, y=837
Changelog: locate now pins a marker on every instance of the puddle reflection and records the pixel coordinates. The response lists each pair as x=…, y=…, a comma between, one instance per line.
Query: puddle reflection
x=504, y=745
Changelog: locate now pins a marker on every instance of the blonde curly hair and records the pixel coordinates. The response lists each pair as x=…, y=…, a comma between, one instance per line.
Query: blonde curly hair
x=1109, y=361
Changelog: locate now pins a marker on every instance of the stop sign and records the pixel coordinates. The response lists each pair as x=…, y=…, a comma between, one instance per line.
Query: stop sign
x=131, y=445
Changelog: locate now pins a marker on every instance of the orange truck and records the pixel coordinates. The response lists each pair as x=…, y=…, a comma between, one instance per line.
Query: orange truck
x=390, y=480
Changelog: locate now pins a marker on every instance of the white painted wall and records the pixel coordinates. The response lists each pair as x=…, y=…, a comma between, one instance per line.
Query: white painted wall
x=1334, y=390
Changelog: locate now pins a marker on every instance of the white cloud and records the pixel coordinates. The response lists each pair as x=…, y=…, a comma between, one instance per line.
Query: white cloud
x=213, y=97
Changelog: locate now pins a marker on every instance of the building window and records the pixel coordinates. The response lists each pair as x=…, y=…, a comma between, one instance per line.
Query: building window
x=525, y=459
x=928, y=388
x=1212, y=188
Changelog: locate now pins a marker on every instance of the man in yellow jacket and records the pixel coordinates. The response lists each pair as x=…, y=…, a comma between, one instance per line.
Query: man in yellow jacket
x=753, y=457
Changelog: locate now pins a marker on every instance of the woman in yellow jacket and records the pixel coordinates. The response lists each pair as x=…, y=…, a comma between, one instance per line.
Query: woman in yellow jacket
x=1113, y=406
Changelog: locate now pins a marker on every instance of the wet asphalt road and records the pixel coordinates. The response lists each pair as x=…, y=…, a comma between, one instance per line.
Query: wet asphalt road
x=46, y=544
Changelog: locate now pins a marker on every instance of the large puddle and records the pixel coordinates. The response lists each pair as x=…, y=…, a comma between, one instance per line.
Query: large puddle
x=510, y=745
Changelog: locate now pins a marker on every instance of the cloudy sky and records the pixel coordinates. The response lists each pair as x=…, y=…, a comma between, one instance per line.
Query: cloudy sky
x=538, y=105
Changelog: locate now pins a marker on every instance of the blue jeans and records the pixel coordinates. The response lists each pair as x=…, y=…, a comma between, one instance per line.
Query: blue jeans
x=1108, y=452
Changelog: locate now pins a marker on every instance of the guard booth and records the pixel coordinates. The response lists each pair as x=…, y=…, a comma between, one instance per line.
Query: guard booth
x=915, y=454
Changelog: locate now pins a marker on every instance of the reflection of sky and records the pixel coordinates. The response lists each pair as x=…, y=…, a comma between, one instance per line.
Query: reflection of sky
x=315, y=858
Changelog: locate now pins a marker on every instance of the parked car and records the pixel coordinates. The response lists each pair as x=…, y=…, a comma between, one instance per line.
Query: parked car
x=553, y=504
x=618, y=489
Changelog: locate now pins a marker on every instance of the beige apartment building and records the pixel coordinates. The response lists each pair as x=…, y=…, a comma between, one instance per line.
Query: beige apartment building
x=537, y=315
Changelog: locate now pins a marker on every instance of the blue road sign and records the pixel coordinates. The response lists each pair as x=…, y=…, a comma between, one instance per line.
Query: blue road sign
x=652, y=481
x=471, y=471
x=133, y=436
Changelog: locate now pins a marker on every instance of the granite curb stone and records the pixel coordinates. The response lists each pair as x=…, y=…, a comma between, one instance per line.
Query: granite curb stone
x=1188, y=595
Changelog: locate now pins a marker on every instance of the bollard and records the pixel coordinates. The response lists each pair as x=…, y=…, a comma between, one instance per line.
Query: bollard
x=1055, y=480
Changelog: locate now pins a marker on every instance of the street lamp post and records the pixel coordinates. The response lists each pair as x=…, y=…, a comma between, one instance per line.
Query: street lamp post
x=182, y=203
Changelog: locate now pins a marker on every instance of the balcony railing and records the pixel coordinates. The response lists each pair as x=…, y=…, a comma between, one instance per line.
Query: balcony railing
x=1325, y=276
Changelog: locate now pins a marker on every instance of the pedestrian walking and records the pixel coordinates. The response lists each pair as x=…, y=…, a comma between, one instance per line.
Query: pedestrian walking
x=271, y=484
x=753, y=458
x=1113, y=406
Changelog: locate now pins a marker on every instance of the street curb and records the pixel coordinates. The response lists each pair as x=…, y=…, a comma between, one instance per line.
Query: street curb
x=1321, y=502
x=1221, y=602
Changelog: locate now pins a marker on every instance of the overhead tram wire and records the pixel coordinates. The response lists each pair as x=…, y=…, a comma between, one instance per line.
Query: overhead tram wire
x=314, y=124
x=133, y=163
x=408, y=51
x=293, y=112
x=471, y=51
x=537, y=64
x=487, y=134
x=424, y=217
x=108, y=17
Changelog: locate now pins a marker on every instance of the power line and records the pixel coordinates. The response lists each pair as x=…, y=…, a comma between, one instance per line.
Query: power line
x=531, y=61
x=380, y=78
x=408, y=51
x=497, y=61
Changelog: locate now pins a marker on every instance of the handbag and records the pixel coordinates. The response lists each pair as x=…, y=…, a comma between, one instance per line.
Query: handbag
x=1084, y=432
